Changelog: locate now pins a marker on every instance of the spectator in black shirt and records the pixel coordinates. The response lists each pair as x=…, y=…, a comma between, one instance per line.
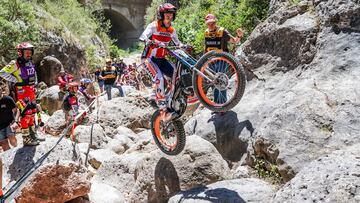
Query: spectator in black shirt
x=99, y=80
x=111, y=79
x=7, y=121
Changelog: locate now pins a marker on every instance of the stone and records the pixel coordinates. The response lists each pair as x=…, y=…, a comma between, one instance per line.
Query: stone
x=55, y=183
x=99, y=156
x=82, y=134
x=143, y=172
x=302, y=103
x=237, y=190
x=229, y=135
x=56, y=123
x=100, y=193
x=49, y=99
x=18, y=160
x=330, y=178
x=125, y=111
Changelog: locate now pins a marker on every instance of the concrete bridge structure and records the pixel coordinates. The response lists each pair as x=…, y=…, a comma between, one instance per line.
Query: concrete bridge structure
x=127, y=19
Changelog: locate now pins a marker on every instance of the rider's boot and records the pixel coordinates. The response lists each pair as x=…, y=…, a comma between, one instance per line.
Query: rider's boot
x=32, y=132
x=27, y=139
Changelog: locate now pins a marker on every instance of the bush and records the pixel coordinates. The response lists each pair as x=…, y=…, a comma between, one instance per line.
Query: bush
x=21, y=20
x=82, y=23
x=17, y=24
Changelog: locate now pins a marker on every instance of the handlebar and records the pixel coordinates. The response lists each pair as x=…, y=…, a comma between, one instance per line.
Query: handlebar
x=165, y=45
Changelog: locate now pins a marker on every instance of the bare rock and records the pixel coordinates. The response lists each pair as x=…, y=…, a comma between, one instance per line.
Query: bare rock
x=49, y=69
x=83, y=133
x=97, y=157
x=56, y=123
x=229, y=135
x=18, y=160
x=330, y=178
x=144, y=174
x=49, y=99
x=100, y=193
x=44, y=185
x=125, y=111
x=237, y=190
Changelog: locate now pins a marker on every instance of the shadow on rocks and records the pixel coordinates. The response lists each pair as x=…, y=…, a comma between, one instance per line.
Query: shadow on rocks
x=228, y=129
x=167, y=182
x=212, y=195
x=23, y=161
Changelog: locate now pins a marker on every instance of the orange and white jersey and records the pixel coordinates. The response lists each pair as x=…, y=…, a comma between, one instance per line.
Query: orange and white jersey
x=157, y=32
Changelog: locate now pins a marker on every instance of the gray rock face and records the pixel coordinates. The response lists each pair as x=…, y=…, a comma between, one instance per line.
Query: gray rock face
x=120, y=144
x=237, y=190
x=82, y=135
x=304, y=104
x=49, y=99
x=331, y=178
x=97, y=157
x=146, y=175
x=229, y=135
x=49, y=69
x=17, y=161
x=43, y=186
x=126, y=111
x=104, y=193
x=53, y=49
x=56, y=123
x=286, y=39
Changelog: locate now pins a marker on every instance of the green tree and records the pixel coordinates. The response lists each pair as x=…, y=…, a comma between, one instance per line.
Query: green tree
x=17, y=24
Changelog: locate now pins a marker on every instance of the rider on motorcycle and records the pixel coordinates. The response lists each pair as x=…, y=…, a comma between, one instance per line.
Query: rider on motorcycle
x=156, y=35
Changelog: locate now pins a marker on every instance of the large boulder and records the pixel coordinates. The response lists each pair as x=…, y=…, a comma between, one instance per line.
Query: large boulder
x=331, y=178
x=18, y=160
x=303, y=102
x=100, y=193
x=43, y=186
x=120, y=144
x=147, y=175
x=49, y=99
x=286, y=39
x=53, y=49
x=224, y=130
x=238, y=190
x=97, y=157
x=83, y=134
x=56, y=123
x=49, y=69
x=65, y=157
x=125, y=111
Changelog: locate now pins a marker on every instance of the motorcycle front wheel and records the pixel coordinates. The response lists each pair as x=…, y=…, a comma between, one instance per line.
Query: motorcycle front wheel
x=224, y=83
x=169, y=137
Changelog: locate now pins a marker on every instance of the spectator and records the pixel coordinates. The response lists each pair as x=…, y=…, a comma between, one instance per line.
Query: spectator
x=63, y=80
x=217, y=39
x=84, y=85
x=7, y=121
x=99, y=80
x=111, y=79
x=121, y=65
